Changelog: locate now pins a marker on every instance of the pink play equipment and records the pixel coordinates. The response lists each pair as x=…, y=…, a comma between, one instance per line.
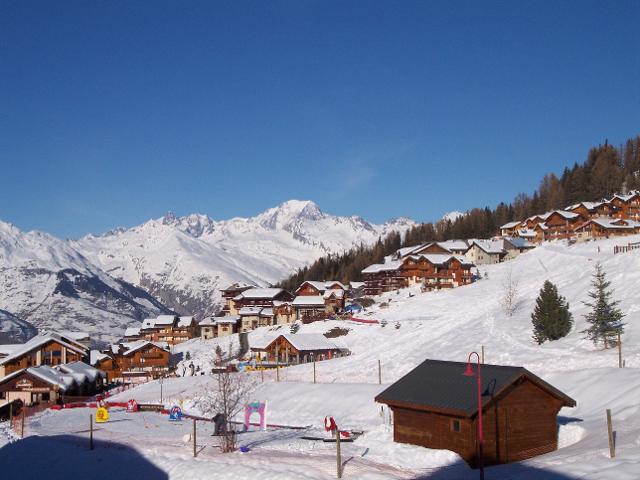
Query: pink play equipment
x=255, y=407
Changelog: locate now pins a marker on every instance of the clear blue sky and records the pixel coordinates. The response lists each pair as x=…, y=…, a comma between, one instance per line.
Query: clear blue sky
x=113, y=112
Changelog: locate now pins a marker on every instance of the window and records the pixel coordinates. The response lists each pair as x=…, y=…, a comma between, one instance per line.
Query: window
x=455, y=425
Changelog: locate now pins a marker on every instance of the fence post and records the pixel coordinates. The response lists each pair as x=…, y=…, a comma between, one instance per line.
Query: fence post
x=612, y=445
x=90, y=432
x=314, y=368
x=619, y=351
x=194, y=437
x=24, y=411
x=339, y=460
x=379, y=373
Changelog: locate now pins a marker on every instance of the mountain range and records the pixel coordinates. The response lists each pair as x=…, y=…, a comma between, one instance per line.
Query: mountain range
x=103, y=283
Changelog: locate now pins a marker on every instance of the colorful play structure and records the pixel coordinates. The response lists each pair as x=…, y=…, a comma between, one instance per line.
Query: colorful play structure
x=255, y=407
x=175, y=414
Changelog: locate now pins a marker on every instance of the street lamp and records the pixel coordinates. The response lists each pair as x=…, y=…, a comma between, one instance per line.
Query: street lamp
x=470, y=373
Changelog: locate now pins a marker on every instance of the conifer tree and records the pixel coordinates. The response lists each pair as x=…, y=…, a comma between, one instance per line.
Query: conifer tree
x=605, y=318
x=551, y=317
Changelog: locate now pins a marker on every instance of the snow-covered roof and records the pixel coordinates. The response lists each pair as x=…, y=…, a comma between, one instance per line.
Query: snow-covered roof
x=587, y=205
x=82, y=368
x=165, y=320
x=266, y=312
x=228, y=319
x=310, y=341
x=382, y=267
x=260, y=293
x=53, y=376
x=336, y=292
x=564, y=214
x=148, y=323
x=454, y=245
x=207, y=322
x=185, y=321
x=39, y=341
x=8, y=349
x=308, y=300
x=613, y=223
x=492, y=247
x=96, y=356
x=135, y=346
x=132, y=332
x=261, y=341
x=246, y=311
x=320, y=286
x=510, y=225
x=526, y=233
x=520, y=242
x=356, y=285
x=77, y=336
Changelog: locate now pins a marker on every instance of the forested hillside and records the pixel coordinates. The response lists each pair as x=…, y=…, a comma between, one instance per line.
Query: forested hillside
x=606, y=170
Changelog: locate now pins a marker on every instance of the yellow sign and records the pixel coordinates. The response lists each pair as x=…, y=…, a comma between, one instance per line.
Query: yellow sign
x=102, y=415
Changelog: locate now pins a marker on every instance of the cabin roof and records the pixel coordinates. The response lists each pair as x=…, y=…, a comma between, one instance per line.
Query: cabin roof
x=491, y=247
x=437, y=385
x=308, y=300
x=519, y=242
x=305, y=342
x=238, y=286
x=40, y=340
x=245, y=311
x=132, y=332
x=233, y=319
x=207, y=322
x=269, y=293
x=510, y=225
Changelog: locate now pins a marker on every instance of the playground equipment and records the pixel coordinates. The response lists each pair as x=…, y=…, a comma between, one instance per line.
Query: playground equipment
x=175, y=414
x=257, y=407
x=132, y=406
x=102, y=415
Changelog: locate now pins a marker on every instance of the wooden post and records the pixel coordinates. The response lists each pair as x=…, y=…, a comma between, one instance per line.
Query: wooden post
x=339, y=459
x=612, y=446
x=379, y=373
x=277, y=365
x=619, y=351
x=482, y=354
x=24, y=411
x=194, y=437
x=314, y=369
x=90, y=432
x=261, y=371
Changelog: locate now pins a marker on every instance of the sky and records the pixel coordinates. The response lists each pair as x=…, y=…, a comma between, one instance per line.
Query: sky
x=115, y=112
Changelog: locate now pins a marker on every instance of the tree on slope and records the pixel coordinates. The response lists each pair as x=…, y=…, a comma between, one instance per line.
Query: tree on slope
x=551, y=317
x=605, y=318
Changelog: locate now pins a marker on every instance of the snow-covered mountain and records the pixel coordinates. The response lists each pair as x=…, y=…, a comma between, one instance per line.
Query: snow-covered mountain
x=45, y=283
x=452, y=216
x=184, y=261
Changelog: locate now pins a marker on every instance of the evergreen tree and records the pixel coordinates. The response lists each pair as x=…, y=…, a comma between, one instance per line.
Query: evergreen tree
x=551, y=317
x=605, y=318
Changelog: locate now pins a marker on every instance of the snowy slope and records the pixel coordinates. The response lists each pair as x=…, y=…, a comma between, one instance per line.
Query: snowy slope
x=185, y=261
x=14, y=329
x=46, y=282
x=448, y=325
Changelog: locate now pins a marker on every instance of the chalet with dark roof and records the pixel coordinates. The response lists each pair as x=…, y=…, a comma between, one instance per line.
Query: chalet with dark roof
x=436, y=406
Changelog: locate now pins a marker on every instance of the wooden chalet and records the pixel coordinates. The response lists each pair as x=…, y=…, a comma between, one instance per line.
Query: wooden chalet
x=436, y=271
x=300, y=348
x=260, y=297
x=227, y=325
x=383, y=277
x=334, y=293
x=135, y=362
x=309, y=308
x=171, y=329
x=514, y=246
x=601, y=227
x=561, y=225
x=626, y=206
x=229, y=293
x=47, y=349
x=509, y=229
x=592, y=209
x=49, y=385
x=435, y=406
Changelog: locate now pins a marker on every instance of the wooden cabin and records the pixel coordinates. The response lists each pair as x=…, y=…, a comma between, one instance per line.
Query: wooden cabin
x=170, y=329
x=49, y=385
x=383, y=277
x=309, y=308
x=436, y=271
x=260, y=297
x=301, y=348
x=136, y=362
x=435, y=406
x=626, y=206
x=47, y=349
x=229, y=293
x=334, y=293
x=509, y=229
x=514, y=246
x=561, y=225
x=600, y=227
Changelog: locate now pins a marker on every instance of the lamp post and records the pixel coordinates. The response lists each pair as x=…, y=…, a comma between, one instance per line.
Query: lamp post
x=470, y=373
